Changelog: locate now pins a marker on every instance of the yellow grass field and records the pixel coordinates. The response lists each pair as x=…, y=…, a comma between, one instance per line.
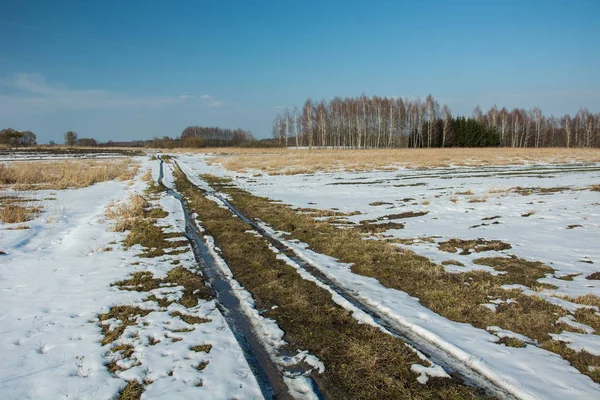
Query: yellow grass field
x=296, y=161
x=60, y=174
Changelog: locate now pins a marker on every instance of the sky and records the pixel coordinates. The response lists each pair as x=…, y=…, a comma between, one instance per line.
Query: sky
x=129, y=70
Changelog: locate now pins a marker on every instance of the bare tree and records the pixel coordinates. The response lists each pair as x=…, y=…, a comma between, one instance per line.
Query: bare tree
x=447, y=124
x=504, y=125
x=567, y=128
x=287, y=126
x=401, y=116
x=308, y=122
x=295, y=124
x=431, y=117
x=477, y=114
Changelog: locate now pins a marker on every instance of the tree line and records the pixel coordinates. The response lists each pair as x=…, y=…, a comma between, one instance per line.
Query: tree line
x=192, y=136
x=387, y=122
x=212, y=136
x=15, y=139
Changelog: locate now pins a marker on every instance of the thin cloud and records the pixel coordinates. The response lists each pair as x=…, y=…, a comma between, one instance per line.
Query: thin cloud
x=206, y=97
x=215, y=104
x=33, y=90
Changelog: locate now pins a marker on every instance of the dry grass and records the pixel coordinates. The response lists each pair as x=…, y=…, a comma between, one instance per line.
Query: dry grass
x=37, y=175
x=381, y=203
x=595, y=188
x=194, y=287
x=133, y=391
x=126, y=213
x=478, y=245
x=511, y=342
x=13, y=213
x=202, y=348
x=126, y=314
x=190, y=319
x=135, y=216
x=457, y=297
x=527, y=191
x=17, y=207
x=295, y=161
x=453, y=262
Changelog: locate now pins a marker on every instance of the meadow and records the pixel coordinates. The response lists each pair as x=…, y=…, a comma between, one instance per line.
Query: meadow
x=441, y=273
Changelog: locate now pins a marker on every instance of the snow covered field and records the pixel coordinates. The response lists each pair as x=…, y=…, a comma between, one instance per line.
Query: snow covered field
x=59, y=294
x=55, y=279
x=545, y=213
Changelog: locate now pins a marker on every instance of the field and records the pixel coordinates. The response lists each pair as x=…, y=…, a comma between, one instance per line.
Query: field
x=238, y=273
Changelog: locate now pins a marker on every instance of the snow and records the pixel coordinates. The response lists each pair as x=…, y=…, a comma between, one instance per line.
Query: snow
x=56, y=278
x=579, y=341
x=545, y=236
x=42, y=156
x=570, y=320
x=532, y=238
x=425, y=372
x=502, y=333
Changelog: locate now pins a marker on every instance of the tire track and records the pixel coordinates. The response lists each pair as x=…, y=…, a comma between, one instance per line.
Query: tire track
x=470, y=375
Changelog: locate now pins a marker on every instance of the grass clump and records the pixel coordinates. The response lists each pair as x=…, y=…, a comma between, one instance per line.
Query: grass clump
x=477, y=245
x=127, y=315
x=202, y=365
x=568, y=277
x=132, y=391
x=406, y=214
x=202, y=348
x=14, y=213
x=372, y=228
x=453, y=262
x=194, y=287
x=136, y=217
x=511, y=342
x=594, y=276
x=491, y=218
x=124, y=351
x=380, y=203
x=142, y=281
x=360, y=361
x=190, y=319
x=127, y=214
x=527, y=191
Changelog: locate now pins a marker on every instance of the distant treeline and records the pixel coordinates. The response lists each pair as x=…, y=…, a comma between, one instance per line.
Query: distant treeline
x=192, y=136
x=202, y=136
x=15, y=139
x=384, y=122
x=206, y=136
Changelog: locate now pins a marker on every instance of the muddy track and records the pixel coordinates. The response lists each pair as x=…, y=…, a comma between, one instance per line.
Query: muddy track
x=267, y=372
x=470, y=375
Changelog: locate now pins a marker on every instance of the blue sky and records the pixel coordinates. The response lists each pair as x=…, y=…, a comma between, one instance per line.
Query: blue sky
x=125, y=70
